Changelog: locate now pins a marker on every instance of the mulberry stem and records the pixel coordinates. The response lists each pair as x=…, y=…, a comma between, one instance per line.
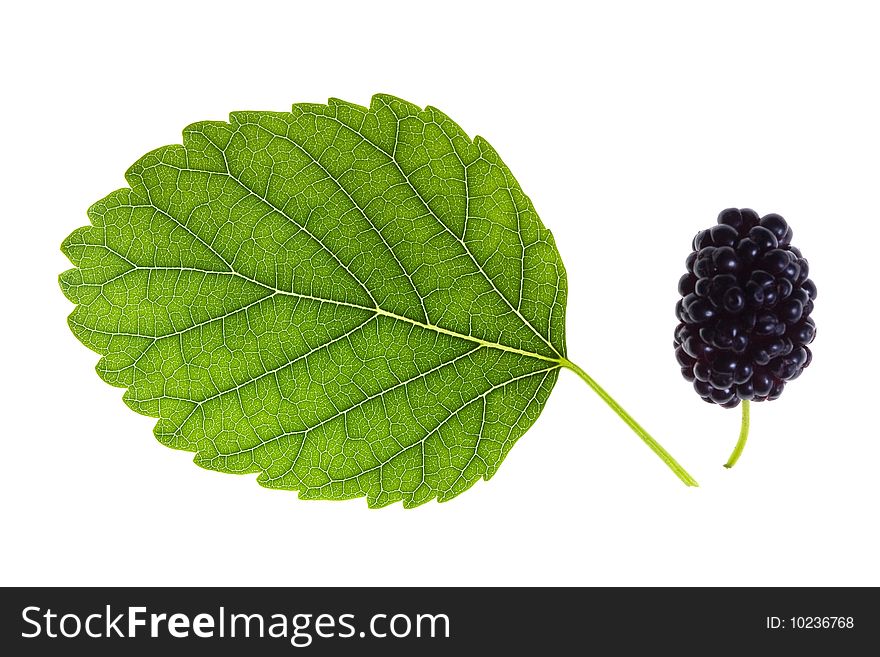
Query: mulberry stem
x=743, y=436
x=665, y=456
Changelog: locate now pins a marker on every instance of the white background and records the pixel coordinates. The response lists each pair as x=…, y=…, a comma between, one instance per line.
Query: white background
x=630, y=125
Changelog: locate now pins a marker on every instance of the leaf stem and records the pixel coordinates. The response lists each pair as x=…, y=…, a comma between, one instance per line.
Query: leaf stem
x=673, y=465
x=743, y=436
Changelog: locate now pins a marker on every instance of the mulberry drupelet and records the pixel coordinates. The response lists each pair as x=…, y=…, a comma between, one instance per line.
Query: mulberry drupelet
x=745, y=310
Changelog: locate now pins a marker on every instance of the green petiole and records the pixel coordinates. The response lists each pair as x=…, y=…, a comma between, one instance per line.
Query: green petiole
x=667, y=458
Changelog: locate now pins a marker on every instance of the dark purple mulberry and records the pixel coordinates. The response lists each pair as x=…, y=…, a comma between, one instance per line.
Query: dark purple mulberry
x=745, y=310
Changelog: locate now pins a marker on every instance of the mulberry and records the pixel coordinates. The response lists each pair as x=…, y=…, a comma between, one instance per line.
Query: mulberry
x=745, y=310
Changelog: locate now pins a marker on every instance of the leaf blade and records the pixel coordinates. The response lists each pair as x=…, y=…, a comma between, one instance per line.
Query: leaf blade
x=308, y=295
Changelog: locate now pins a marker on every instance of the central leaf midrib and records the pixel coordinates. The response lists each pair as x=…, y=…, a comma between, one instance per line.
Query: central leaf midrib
x=376, y=311
x=379, y=311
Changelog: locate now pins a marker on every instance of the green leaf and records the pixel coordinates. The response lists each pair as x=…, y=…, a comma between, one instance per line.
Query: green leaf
x=348, y=301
